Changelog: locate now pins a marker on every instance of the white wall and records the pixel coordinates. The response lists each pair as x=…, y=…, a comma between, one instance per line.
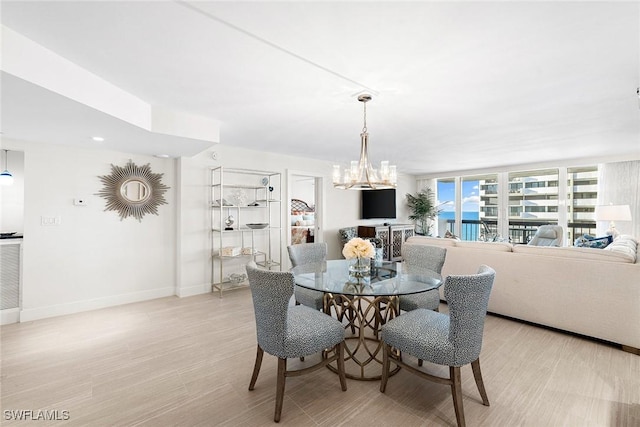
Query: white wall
x=92, y=259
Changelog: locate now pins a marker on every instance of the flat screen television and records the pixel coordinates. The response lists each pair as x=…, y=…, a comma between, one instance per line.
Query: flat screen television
x=378, y=204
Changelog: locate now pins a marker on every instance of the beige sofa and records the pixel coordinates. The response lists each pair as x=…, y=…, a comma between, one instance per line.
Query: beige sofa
x=593, y=292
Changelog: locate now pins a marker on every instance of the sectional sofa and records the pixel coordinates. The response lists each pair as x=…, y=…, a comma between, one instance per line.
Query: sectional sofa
x=592, y=292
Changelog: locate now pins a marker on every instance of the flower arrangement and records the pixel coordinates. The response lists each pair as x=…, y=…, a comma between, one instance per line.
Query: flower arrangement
x=358, y=248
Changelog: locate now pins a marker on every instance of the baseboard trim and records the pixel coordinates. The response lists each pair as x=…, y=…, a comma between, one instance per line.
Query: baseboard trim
x=193, y=290
x=30, y=314
x=9, y=315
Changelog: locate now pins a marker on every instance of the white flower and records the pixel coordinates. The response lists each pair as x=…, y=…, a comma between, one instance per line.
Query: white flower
x=358, y=248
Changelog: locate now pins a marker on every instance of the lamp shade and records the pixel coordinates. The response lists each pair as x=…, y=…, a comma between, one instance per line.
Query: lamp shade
x=6, y=178
x=613, y=213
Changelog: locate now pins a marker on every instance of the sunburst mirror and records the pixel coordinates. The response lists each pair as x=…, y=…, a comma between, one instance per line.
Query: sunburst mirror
x=133, y=190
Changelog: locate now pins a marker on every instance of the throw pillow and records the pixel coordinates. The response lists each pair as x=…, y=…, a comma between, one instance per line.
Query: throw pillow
x=587, y=241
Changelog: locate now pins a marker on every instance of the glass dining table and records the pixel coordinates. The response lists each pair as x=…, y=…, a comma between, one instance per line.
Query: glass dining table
x=363, y=305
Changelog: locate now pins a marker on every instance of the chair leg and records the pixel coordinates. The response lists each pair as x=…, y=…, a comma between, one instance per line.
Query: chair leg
x=256, y=368
x=475, y=365
x=340, y=362
x=456, y=391
x=282, y=369
x=386, y=364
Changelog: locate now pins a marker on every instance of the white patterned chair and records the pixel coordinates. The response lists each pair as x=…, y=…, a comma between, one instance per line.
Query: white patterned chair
x=290, y=332
x=453, y=339
x=307, y=258
x=419, y=258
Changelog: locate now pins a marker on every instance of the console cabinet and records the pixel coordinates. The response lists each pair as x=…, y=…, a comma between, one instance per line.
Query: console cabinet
x=393, y=237
x=245, y=224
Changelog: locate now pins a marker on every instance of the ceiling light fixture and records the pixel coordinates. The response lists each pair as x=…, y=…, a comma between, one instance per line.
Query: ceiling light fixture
x=5, y=177
x=97, y=138
x=361, y=175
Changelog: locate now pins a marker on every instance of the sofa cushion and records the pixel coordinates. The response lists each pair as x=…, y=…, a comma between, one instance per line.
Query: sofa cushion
x=579, y=253
x=486, y=246
x=432, y=241
x=624, y=245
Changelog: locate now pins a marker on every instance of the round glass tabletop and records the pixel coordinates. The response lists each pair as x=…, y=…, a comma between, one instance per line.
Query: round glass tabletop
x=386, y=279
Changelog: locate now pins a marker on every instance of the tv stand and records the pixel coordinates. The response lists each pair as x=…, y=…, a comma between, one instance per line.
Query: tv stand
x=393, y=237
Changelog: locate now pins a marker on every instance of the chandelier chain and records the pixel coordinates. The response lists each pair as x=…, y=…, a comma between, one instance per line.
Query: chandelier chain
x=364, y=128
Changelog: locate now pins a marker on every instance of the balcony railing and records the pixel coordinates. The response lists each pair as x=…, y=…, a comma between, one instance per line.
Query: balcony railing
x=520, y=232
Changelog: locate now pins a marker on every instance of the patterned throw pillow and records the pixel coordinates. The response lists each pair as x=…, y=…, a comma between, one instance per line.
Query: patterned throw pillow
x=587, y=241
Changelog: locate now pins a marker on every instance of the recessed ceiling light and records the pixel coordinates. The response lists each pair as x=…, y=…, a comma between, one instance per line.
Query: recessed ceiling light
x=97, y=138
x=162, y=156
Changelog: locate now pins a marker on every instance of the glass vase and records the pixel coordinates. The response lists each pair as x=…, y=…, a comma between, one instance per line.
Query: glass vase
x=360, y=271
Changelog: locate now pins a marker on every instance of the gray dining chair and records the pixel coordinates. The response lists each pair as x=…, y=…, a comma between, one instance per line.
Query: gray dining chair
x=453, y=339
x=418, y=259
x=308, y=258
x=288, y=331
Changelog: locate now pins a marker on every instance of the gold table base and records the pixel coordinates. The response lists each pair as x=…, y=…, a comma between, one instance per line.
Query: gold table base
x=363, y=316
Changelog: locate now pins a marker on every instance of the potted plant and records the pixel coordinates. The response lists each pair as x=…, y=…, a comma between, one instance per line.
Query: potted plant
x=423, y=209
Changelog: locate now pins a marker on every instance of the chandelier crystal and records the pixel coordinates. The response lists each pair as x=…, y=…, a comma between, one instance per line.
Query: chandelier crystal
x=361, y=175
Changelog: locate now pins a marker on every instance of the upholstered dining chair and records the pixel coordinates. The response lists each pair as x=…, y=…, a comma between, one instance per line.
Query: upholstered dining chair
x=288, y=331
x=308, y=257
x=418, y=259
x=453, y=339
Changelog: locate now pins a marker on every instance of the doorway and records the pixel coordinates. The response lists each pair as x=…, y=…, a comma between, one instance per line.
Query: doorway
x=304, y=198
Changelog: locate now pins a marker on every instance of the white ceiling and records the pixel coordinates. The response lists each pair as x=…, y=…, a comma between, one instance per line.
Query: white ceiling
x=459, y=85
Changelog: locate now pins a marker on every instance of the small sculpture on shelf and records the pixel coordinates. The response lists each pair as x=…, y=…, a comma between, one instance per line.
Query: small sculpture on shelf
x=229, y=222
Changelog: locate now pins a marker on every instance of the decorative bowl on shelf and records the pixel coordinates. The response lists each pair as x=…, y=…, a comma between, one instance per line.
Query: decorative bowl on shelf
x=236, y=278
x=258, y=225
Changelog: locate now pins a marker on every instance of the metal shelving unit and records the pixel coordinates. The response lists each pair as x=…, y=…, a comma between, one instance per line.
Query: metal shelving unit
x=244, y=196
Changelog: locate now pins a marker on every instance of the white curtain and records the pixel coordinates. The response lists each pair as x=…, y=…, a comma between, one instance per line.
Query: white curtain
x=619, y=184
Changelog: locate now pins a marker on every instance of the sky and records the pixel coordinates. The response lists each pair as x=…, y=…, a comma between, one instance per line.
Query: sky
x=470, y=196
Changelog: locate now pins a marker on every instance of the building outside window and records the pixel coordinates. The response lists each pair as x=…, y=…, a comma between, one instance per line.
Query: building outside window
x=528, y=199
x=582, y=197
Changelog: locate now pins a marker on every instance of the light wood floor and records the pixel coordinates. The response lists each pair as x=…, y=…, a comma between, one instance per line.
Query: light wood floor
x=188, y=361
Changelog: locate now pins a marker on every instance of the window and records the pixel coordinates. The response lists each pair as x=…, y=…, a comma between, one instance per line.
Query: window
x=582, y=195
x=479, y=216
x=526, y=200
x=446, y=195
x=534, y=204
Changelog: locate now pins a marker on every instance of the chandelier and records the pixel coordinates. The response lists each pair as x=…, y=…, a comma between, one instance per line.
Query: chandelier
x=361, y=175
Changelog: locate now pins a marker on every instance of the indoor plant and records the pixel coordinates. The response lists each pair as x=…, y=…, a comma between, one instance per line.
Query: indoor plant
x=423, y=208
